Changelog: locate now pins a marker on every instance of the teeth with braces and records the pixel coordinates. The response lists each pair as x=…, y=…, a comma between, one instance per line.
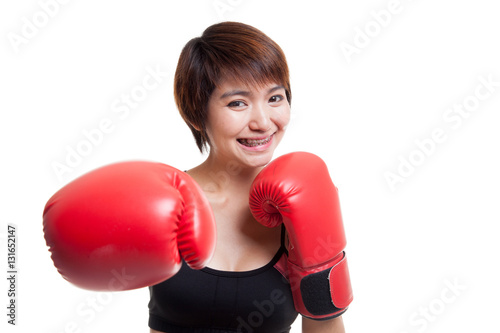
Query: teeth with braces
x=254, y=143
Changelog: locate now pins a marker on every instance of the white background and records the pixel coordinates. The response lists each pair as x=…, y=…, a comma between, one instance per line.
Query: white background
x=361, y=113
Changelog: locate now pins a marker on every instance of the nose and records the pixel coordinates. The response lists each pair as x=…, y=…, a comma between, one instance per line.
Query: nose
x=260, y=119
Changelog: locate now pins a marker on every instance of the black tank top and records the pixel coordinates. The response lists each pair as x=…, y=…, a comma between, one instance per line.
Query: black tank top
x=209, y=300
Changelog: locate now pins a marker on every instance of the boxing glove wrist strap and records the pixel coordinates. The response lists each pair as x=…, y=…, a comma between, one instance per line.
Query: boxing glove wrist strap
x=324, y=293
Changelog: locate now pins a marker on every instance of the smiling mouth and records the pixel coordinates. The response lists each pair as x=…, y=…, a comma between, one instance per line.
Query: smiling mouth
x=255, y=143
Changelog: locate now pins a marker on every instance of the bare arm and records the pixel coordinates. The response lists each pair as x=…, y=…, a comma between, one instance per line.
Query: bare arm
x=335, y=325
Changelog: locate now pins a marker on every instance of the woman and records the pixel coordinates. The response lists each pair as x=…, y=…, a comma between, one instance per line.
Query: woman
x=232, y=88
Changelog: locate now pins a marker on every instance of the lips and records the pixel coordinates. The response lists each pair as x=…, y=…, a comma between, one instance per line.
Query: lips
x=255, y=142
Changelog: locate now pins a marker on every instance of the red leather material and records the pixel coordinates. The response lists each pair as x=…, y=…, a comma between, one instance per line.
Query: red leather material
x=296, y=189
x=340, y=284
x=282, y=266
x=306, y=200
x=126, y=225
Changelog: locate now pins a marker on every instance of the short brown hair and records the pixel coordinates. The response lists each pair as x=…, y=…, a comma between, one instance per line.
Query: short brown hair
x=227, y=49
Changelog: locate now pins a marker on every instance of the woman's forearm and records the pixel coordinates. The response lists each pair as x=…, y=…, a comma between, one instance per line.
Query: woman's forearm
x=335, y=325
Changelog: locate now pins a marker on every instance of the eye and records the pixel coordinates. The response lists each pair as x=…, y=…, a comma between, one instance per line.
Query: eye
x=276, y=99
x=236, y=104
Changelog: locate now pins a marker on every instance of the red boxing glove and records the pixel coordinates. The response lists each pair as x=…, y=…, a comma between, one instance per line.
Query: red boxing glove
x=296, y=189
x=127, y=225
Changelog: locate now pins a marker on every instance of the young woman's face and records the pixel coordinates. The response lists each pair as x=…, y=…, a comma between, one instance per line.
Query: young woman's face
x=246, y=123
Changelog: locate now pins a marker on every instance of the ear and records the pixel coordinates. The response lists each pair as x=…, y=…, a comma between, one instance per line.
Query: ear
x=196, y=127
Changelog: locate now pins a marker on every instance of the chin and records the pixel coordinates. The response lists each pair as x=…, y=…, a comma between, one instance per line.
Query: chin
x=260, y=160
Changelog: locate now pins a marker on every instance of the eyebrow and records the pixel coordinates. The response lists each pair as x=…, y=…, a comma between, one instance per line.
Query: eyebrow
x=246, y=92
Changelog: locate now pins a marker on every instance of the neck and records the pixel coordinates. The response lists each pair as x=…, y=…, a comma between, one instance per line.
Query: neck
x=218, y=175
